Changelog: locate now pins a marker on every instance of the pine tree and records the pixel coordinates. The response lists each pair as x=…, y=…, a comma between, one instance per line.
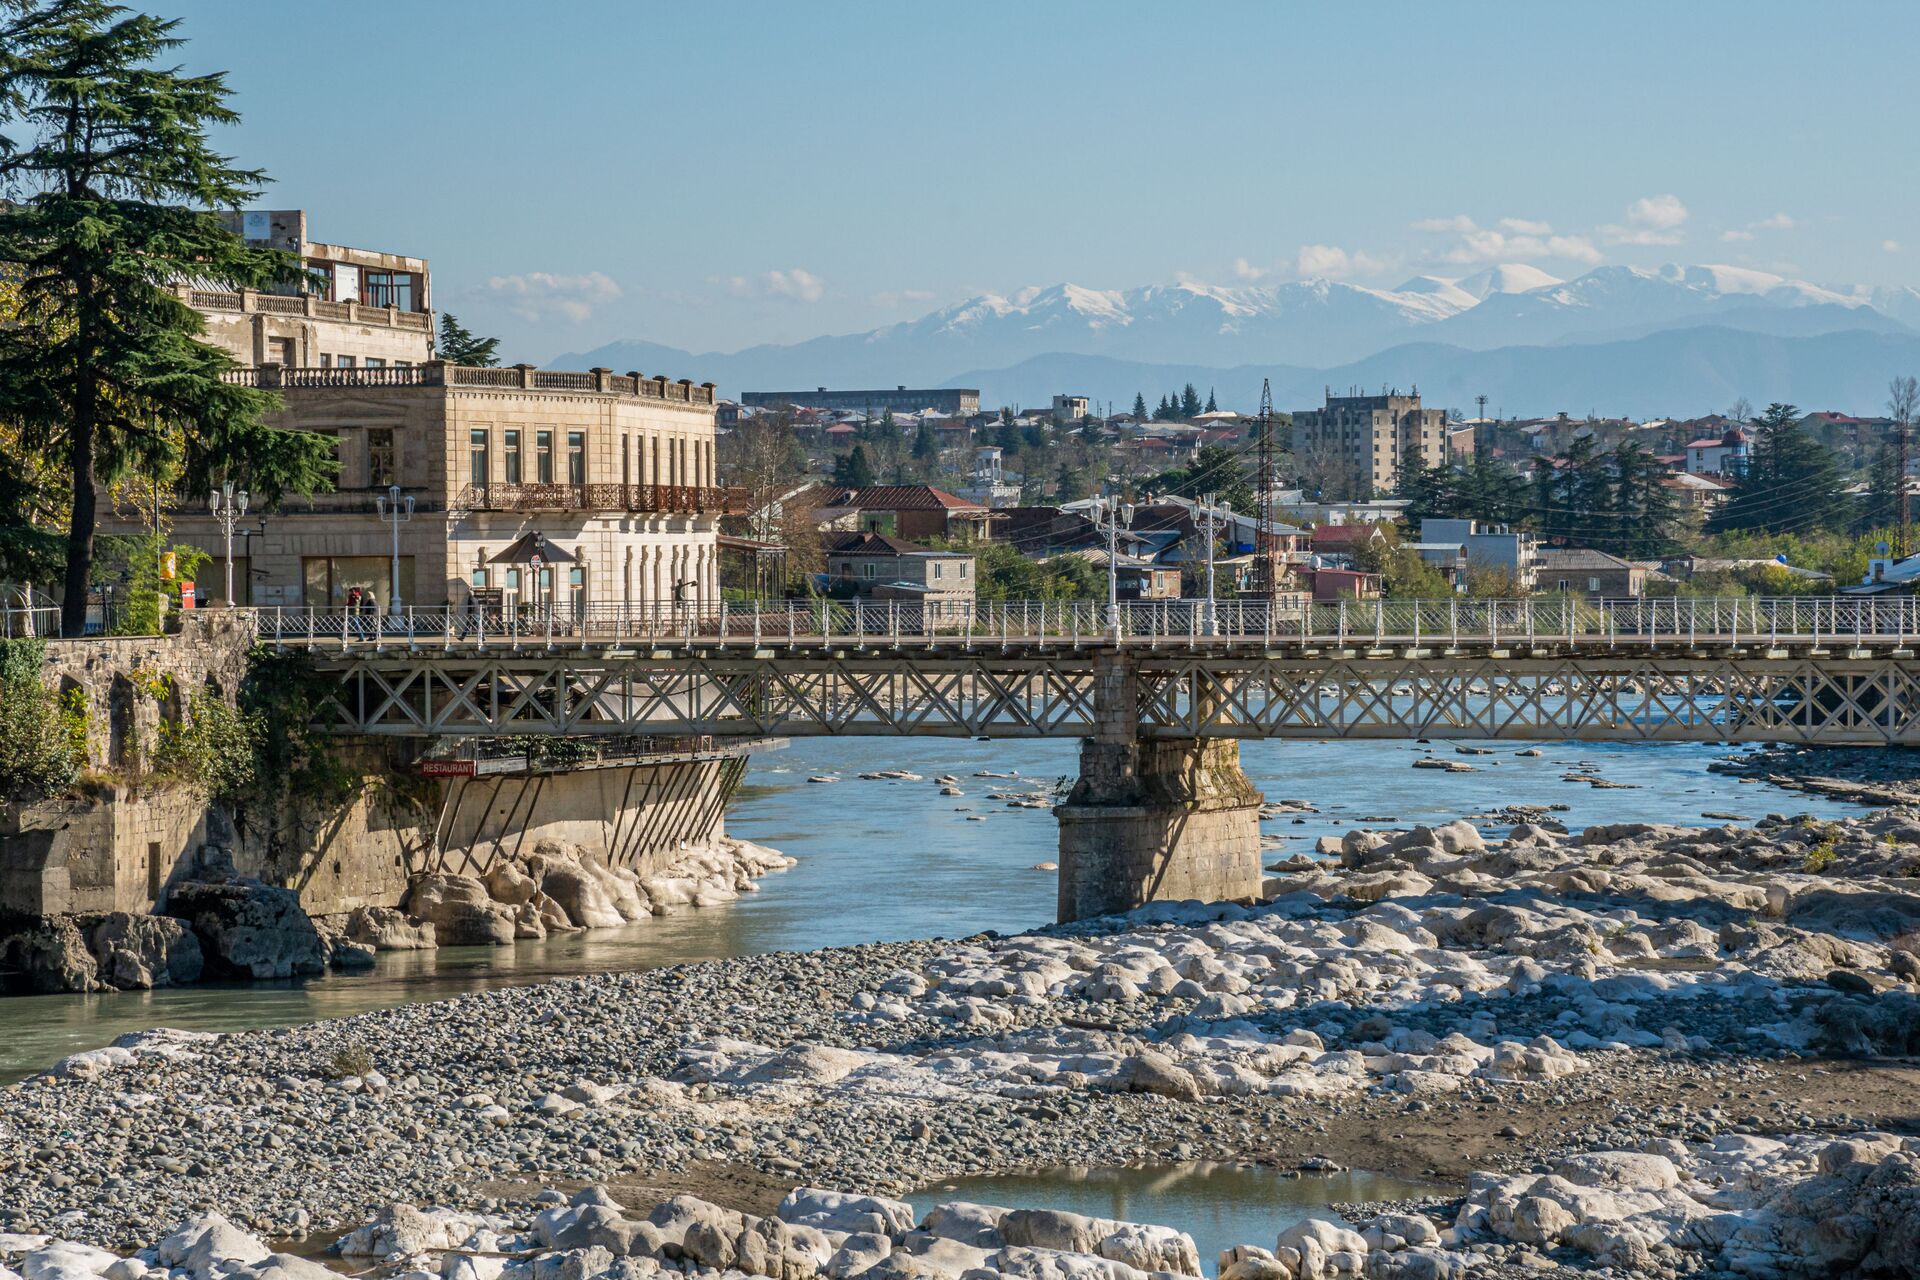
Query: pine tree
x=925, y=447
x=1211, y=406
x=1646, y=514
x=1189, y=402
x=1881, y=507
x=1163, y=410
x=851, y=470
x=458, y=345
x=1790, y=483
x=114, y=190
x=1139, y=405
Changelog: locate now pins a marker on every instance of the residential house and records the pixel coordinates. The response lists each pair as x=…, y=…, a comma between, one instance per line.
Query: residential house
x=913, y=511
x=875, y=566
x=1722, y=456
x=1331, y=585
x=1584, y=571
x=1495, y=548
x=1699, y=492
x=1339, y=543
x=1365, y=442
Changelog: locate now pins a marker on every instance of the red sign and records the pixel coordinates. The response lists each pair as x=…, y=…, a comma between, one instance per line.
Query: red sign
x=186, y=593
x=446, y=768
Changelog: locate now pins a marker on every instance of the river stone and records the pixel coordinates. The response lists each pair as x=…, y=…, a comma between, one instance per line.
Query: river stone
x=53, y=956
x=140, y=951
x=249, y=928
x=842, y=1211
x=388, y=929
x=578, y=891
x=202, y=1244
x=460, y=911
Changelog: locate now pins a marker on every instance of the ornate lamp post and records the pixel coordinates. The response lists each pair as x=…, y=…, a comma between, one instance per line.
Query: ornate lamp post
x=227, y=507
x=1215, y=514
x=394, y=511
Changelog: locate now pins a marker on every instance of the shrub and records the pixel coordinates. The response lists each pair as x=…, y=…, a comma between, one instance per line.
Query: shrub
x=212, y=747
x=1820, y=856
x=43, y=738
x=349, y=1060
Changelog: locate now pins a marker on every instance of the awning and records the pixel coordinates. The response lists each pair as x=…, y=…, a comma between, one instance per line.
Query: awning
x=529, y=547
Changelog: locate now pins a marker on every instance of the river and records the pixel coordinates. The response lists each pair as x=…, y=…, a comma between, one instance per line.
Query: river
x=882, y=860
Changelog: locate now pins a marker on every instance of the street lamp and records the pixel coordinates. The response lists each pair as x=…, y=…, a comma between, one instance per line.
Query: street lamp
x=1215, y=514
x=393, y=512
x=1112, y=513
x=227, y=507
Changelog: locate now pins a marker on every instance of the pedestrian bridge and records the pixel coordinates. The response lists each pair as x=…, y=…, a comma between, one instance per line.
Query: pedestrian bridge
x=1833, y=670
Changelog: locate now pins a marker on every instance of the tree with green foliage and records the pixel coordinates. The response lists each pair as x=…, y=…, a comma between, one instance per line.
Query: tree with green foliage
x=1789, y=483
x=926, y=447
x=1002, y=572
x=1880, y=506
x=1646, y=516
x=1215, y=470
x=43, y=739
x=852, y=470
x=1164, y=410
x=1139, y=405
x=459, y=345
x=1212, y=407
x=113, y=197
x=1189, y=402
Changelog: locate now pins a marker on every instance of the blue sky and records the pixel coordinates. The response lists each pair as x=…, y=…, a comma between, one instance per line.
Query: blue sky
x=714, y=175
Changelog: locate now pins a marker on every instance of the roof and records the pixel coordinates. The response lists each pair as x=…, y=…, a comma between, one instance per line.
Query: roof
x=900, y=497
x=1579, y=558
x=880, y=544
x=1335, y=534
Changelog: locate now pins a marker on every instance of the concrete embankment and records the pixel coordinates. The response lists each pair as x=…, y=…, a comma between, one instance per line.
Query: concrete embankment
x=1650, y=1048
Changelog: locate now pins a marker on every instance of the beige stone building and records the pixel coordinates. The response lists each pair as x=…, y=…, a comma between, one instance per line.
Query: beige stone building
x=1361, y=443
x=614, y=470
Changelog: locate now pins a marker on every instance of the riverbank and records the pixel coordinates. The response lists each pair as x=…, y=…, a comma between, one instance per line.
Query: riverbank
x=1427, y=1003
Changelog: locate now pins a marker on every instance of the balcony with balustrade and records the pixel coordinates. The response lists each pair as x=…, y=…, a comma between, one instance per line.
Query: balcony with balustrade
x=310, y=306
x=638, y=499
x=520, y=377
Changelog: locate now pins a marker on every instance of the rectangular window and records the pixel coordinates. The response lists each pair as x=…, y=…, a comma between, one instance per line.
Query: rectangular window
x=480, y=578
x=866, y=570
x=626, y=461
x=477, y=455
x=388, y=289
x=1593, y=585
x=326, y=360
x=280, y=351
x=381, y=469
x=346, y=362
x=543, y=457
x=576, y=457
x=513, y=457
x=328, y=578
x=374, y=362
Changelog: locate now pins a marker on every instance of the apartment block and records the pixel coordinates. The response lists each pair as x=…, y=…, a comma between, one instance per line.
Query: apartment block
x=1361, y=443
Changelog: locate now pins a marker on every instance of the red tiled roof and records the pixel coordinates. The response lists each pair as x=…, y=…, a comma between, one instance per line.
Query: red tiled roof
x=877, y=544
x=1338, y=533
x=900, y=497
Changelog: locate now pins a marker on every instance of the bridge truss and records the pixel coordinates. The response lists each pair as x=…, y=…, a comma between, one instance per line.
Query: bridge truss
x=1718, y=693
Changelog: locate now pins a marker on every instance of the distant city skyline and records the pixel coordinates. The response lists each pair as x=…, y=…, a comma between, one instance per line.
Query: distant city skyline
x=710, y=178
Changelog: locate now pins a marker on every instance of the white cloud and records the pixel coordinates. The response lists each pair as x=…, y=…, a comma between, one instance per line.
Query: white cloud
x=1526, y=227
x=1890, y=246
x=796, y=285
x=541, y=295
x=1459, y=222
x=1487, y=245
x=1778, y=222
x=890, y=298
x=1247, y=271
x=1736, y=237
x=1333, y=262
x=1650, y=220
x=1660, y=212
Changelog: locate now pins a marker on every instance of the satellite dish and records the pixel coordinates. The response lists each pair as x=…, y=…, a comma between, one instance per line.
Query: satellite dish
x=1881, y=548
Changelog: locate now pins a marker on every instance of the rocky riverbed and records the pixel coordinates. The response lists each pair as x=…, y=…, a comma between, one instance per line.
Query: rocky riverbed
x=1657, y=1049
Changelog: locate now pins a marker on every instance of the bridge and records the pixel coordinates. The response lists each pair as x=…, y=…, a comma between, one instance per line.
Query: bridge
x=1157, y=692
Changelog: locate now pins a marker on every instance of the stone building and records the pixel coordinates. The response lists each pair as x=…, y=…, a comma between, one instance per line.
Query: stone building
x=874, y=566
x=902, y=399
x=1362, y=443
x=616, y=471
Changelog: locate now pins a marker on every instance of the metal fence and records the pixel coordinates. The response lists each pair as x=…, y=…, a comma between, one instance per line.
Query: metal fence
x=1836, y=619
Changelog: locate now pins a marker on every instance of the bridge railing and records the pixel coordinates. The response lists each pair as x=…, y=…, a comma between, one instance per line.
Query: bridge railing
x=1574, y=620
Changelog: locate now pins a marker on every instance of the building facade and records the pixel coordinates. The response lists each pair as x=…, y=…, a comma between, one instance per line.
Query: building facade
x=615, y=471
x=1597, y=574
x=874, y=566
x=1364, y=442
x=1514, y=552
x=949, y=401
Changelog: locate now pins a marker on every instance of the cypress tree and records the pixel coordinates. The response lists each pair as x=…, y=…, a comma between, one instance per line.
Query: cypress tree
x=1790, y=483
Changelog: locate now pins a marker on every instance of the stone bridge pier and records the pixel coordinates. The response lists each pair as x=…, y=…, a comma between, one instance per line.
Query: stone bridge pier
x=1153, y=820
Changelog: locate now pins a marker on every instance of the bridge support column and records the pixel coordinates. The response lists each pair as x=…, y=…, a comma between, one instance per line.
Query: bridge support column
x=1153, y=820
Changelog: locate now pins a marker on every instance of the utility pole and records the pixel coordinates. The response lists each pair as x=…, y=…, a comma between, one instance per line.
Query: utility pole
x=391, y=512
x=1214, y=513
x=1111, y=512
x=1264, y=539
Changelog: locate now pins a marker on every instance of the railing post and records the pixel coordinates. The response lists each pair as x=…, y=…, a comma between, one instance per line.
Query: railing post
x=1340, y=629
x=1379, y=620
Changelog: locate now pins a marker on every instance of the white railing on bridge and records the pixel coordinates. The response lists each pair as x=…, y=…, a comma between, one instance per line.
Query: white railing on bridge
x=1883, y=622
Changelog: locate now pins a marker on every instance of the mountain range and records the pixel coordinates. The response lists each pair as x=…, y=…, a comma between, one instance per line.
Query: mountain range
x=1616, y=340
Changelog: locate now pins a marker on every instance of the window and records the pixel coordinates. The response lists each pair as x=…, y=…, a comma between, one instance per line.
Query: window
x=1593, y=585
x=576, y=457
x=388, y=289
x=280, y=351
x=329, y=578
x=543, y=457
x=381, y=470
x=346, y=362
x=866, y=569
x=513, y=457
x=477, y=454
x=626, y=461
x=374, y=362
x=963, y=569
x=326, y=360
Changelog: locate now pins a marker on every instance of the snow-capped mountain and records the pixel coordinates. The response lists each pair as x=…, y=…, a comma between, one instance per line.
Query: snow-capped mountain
x=1312, y=323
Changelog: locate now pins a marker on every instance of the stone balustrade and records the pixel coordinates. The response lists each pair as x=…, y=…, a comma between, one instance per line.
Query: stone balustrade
x=523, y=377
x=305, y=304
